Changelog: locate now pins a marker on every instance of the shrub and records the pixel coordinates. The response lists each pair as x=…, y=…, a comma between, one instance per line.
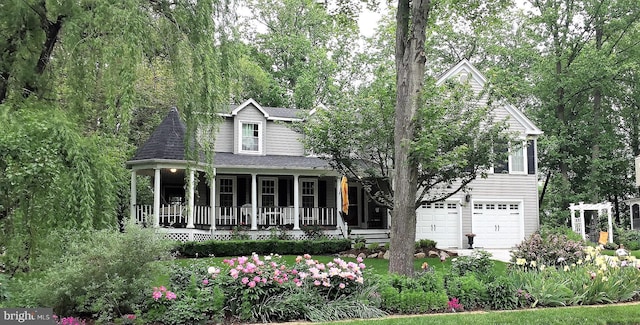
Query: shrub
x=502, y=293
x=105, y=275
x=420, y=294
x=425, y=243
x=545, y=231
x=265, y=290
x=359, y=245
x=469, y=290
x=478, y=262
x=552, y=250
x=630, y=239
x=373, y=246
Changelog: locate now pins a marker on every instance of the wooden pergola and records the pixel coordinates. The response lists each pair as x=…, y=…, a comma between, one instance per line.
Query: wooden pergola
x=577, y=222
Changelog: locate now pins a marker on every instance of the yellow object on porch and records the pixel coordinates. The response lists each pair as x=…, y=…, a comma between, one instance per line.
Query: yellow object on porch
x=604, y=235
x=345, y=195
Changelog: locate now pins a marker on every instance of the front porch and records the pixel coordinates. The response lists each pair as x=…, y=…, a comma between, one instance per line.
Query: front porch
x=176, y=216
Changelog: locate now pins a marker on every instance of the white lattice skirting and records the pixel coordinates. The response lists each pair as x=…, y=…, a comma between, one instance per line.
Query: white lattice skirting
x=185, y=235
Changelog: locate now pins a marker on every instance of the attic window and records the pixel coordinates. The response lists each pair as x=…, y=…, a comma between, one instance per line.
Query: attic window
x=251, y=136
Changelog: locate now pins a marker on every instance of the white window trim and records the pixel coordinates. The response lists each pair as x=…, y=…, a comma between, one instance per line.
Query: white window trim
x=525, y=162
x=234, y=184
x=315, y=190
x=523, y=144
x=275, y=190
x=260, y=137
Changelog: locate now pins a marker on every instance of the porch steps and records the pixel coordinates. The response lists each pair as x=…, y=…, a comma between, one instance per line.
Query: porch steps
x=380, y=236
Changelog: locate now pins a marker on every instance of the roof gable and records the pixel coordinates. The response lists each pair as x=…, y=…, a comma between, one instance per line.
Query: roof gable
x=272, y=113
x=464, y=70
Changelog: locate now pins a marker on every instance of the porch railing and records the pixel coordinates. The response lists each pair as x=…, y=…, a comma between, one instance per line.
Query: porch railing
x=176, y=216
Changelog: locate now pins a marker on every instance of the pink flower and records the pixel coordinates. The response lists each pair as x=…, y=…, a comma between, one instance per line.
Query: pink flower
x=341, y=286
x=264, y=280
x=316, y=282
x=256, y=278
x=163, y=289
x=245, y=280
x=157, y=295
x=298, y=259
x=170, y=295
x=307, y=256
x=362, y=266
x=242, y=260
x=234, y=273
x=593, y=275
x=252, y=284
x=130, y=316
x=359, y=259
x=205, y=281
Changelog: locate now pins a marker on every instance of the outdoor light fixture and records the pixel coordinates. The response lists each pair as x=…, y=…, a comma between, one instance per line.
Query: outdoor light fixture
x=173, y=170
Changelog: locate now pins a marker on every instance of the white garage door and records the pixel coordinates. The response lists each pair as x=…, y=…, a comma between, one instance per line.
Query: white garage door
x=496, y=224
x=439, y=222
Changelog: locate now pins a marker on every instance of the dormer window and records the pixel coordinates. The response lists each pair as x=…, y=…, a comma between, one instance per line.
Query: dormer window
x=251, y=136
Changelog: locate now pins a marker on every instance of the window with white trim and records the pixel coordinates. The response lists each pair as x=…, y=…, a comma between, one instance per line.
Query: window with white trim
x=514, y=163
x=516, y=159
x=251, y=136
x=268, y=192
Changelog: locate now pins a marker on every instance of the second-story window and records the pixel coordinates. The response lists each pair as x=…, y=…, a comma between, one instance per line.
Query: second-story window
x=250, y=137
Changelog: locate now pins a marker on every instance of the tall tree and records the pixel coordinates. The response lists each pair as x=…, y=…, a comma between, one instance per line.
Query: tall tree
x=305, y=48
x=68, y=76
x=575, y=100
x=412, y=19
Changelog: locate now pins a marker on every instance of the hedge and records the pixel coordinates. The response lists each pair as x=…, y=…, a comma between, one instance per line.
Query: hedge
x=247, y=247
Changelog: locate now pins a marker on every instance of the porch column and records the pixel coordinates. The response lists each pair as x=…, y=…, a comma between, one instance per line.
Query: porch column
x=133, y=195
x=254, y=202
x=296, y=202
x=610, y=222
x=190, y=205
x=572, y=218
x=582, y=230
x=631, y=212
x=339, y=198
x=156, y=198
x=212, y=201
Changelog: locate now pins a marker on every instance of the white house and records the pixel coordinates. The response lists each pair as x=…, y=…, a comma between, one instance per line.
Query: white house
x=264, y=178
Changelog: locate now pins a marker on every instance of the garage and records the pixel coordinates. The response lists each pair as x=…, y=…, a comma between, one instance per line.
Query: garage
x=497, y=224
x=439, y=222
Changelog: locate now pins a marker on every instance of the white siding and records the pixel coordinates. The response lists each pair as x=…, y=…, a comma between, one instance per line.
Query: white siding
x=506, y=187
x=281, y=140
x=224, y=138
x=248, y=114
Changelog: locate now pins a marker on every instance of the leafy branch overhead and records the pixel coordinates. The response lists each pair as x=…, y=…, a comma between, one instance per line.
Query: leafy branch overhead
x=455, y=133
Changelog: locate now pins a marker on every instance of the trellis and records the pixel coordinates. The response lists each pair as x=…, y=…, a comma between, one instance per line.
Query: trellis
x=577, y=222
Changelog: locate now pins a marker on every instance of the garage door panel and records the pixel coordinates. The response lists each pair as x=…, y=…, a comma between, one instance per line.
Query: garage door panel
x=438, y=222
x=496, y=224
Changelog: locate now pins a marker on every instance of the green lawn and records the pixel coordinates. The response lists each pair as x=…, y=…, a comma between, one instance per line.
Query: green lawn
x=604, y=314
x=613, y=253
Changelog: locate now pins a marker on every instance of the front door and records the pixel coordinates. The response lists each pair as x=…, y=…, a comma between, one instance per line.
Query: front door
x=354, y=212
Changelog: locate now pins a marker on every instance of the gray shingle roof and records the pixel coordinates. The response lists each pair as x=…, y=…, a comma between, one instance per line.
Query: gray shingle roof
x=227, y=159
x=166, y=142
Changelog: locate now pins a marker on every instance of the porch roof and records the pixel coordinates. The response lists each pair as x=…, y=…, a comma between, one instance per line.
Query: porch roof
x=230, y=160
x=166, y=141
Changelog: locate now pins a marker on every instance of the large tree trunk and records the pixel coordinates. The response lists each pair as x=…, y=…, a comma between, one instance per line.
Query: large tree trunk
x=411, y=21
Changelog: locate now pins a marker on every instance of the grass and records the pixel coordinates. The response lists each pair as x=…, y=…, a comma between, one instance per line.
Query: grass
x=602, y=314
x=613, y=253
